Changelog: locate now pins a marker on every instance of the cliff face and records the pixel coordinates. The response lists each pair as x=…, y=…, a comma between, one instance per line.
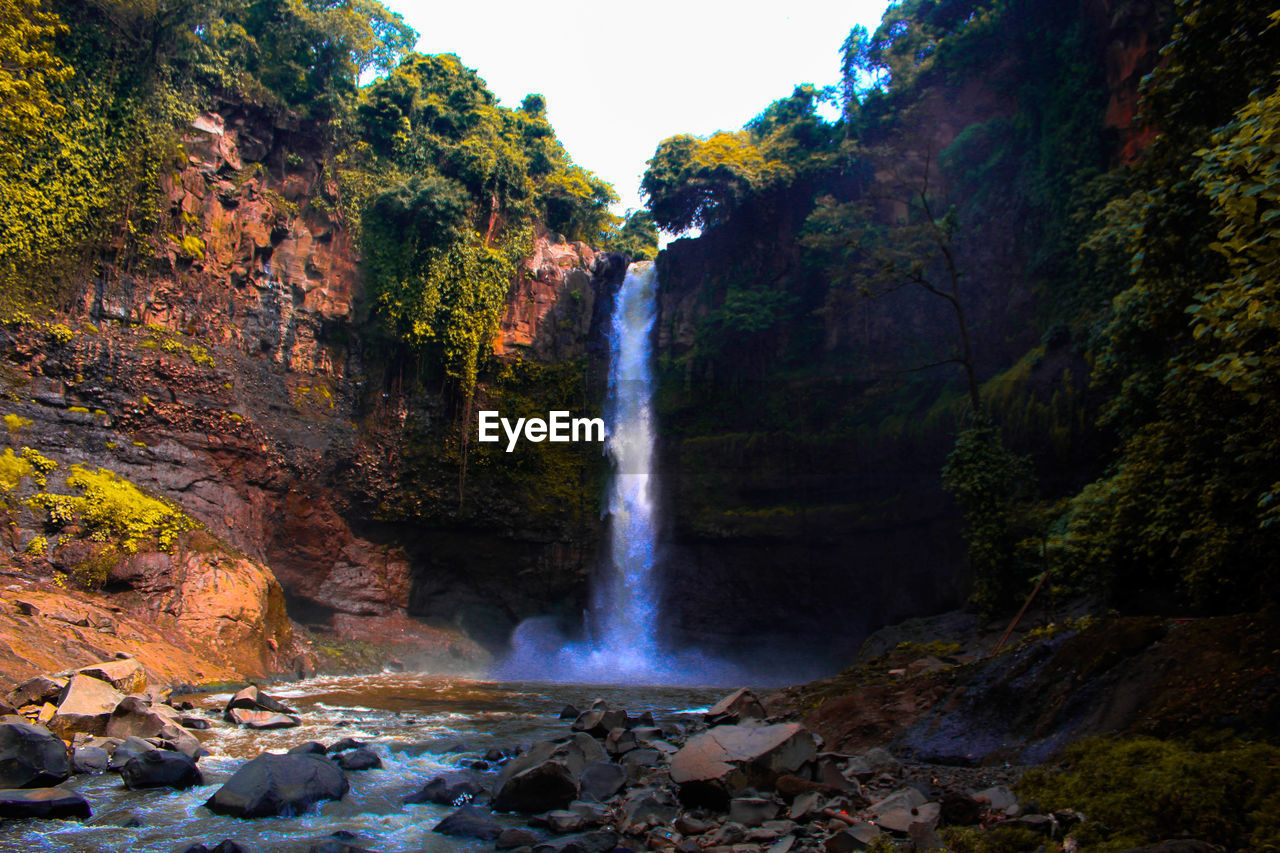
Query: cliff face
x=231, y=374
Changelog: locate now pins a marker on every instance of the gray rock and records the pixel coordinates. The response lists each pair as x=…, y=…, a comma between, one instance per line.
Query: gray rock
x=598, y=841
x=252, y=699
x=752, y=811
x=278, y=784
x=688, y=825
x=546, y=776
x=620, y=741
x=726, y=834
x=739, y=706
x=601, y=780
x=514, y=837
x=562, y=822
x=860, y=836
x=160, y=768
x=469, y=822
x=56, y=803
x=37, y=691
x=31, y=757
x=649, y=806
x=598, y=721
x=723, y=761
x=805, y=805
x=360, y=758
x=1000, y=799
x=593, y=814
x=451, y=789
x=90, y=759
x=872, y=763
x=126, y=750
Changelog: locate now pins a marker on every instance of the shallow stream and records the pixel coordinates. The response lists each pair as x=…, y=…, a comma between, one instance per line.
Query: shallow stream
x=420, y=725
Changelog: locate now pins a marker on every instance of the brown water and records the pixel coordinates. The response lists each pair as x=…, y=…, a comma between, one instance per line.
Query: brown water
x=386, y=710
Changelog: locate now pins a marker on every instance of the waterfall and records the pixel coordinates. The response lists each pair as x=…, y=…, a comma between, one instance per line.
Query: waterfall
x=625, y=606
x=623, y=644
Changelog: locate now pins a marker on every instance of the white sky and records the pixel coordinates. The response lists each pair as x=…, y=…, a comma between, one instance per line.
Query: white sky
x=619, y=78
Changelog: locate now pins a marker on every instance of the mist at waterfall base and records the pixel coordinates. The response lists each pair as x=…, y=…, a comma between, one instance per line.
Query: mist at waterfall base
x=622, y=645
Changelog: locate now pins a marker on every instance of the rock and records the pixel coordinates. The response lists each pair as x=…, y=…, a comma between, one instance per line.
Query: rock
x=902, y=808
x=546, y=776
x=513, y=837
x=860, y=836
x=562, y=822
x=1043, y=824
x=568, y=712
x=262, y=720
x=737, y=707
x=620, y=741
x=37, y=691
x=160, y=768
x=637, y=761
x=598, y=841
x=872, y=763
x=224, y=846
x=724, y=760
x=783, y=845
x=360, y=758
x=351, y=743
x=689, y=825
x=999, y=799
x=752, y=811
x=310, y=747
x=252, y=699
x=805, y=805
x=125, y=675
x=31, y=757
x=278, y=785
x=601, y=780
x=593, y=814
x=126, y=750
x=90, y=759
x=451, y=789
x=56, y=803
x=726, y=834
x=960, y=809
x=828, y=772
x=649, y=807
x=469, y=822
x=137, y=717
x=924, y=838
x=599, y=721
x=86, y=706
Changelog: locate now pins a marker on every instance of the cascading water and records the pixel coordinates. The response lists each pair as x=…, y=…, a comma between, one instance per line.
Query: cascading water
x=625, y=605
x=623, y=644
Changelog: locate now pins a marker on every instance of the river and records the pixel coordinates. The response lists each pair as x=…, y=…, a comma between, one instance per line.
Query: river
x=420, y=725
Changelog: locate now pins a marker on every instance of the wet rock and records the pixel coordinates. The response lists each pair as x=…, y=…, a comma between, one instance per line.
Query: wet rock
x=139, y=717
x=493, y=755
x=451, y=789
x=620, y=741
x=129, y=748
x=593, y=814
x=650, y=807
x=31, y=757
x=360, y=758
x=37, y=691
x=513, y=837
x=341, y=841
x=598, y=721
x=752, y=811
x=278, y=784
x=262, y=720
x=637, y=761
x=90, y=759
x=126, y=675
x=224, y=846
x=739, y=706
x=160, y=768
x=568, y=712
x=86, y=706
x=252, y=699
x=469, y=822
x=597, y=841
x=723, y=761
x=601, y=780
x=546, y=777
x=860, y=836
x=345, y=744
x=56, y=803
x=310, y=747
x=562, y=822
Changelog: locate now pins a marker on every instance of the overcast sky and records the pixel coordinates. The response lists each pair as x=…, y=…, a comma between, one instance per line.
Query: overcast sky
x=619, y=78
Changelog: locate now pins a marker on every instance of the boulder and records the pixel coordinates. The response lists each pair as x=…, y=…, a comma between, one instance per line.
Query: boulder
x=872, y=763
x=138, y=717
x=344, y=744
x=131, y=747
x=960, y=809
x=546, y=776
x=125, y=675
x=31, y=757
x=999, y=799
x=601, y=780
x=723, y=761
x=86, y=706
x=224, y=846
x=252, y=699
x=569, y=712
x=278, y=785
x=57, y=803
x=160, y=768
x=860, y=836
x=310, y=747
x=593, y=814
x=37, y=691
x=360, y=758
x=262, y=720
x=469, y=822
x=649, y=807
x=90, y=759
x=598, y=841
x=737, y=707
x=620, y=741
x=597, y=722
x=563, y=821
x=341, y=841
x=451, y=789
x=513, y=837
x=902, y=808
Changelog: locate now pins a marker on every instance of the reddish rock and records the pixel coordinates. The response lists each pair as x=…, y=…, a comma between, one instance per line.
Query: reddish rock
x=724, y=760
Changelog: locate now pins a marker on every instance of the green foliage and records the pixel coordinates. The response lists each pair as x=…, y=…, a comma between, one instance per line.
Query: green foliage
x=988, y=482
x=637, y=237
x=29, y=70
x=112, y=509
x=1135, y=792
